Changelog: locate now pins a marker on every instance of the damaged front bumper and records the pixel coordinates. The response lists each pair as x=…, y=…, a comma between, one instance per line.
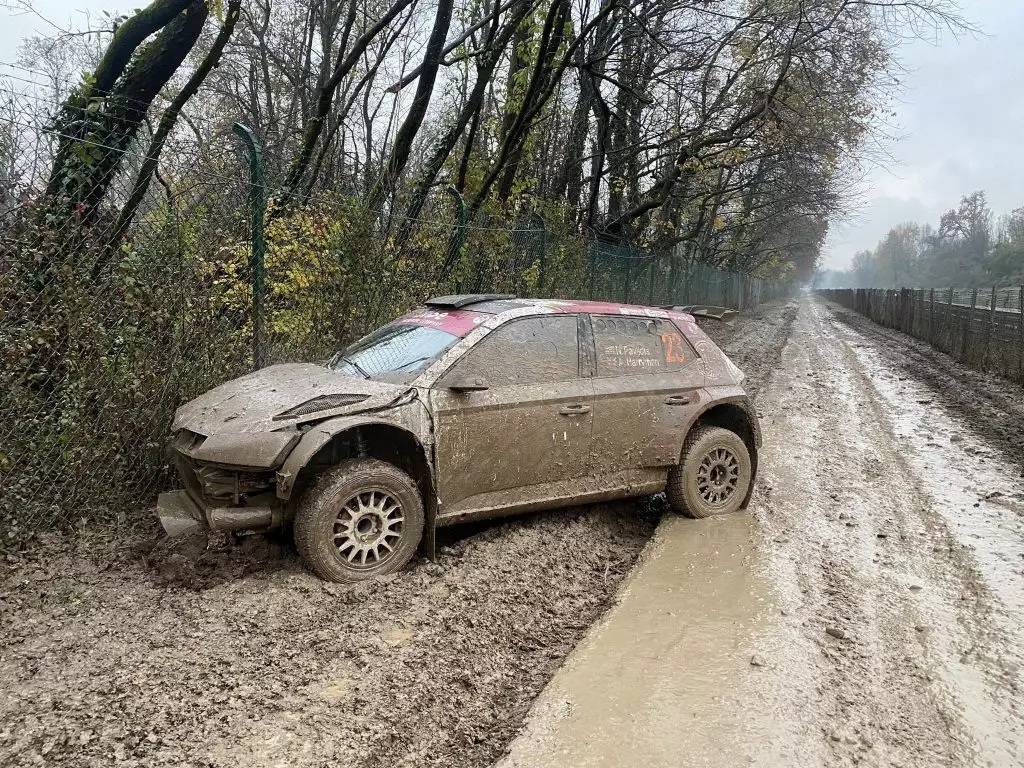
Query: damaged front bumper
x=181, y=514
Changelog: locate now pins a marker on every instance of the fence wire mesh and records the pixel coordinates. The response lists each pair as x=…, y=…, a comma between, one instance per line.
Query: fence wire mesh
x=982, y=328
x=107, y=325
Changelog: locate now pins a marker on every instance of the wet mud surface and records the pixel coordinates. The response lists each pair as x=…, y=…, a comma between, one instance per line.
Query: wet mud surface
x=243, y=658
x=869, y=610
x=125, y=651
x=892, y=527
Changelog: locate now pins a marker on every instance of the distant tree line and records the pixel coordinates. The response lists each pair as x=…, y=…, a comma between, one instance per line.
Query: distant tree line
x=970, y=246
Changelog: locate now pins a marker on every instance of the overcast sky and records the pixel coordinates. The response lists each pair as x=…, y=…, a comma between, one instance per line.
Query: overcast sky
x=959, y=123
x=959, y=127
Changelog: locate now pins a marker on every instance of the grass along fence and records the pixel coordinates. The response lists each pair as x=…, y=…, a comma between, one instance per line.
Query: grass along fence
x=982, y=328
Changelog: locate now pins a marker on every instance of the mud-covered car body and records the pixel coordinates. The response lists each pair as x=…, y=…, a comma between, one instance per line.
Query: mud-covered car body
x=492, y=405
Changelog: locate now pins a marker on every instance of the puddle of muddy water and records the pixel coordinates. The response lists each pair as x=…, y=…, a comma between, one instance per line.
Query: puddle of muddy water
x=690, y=669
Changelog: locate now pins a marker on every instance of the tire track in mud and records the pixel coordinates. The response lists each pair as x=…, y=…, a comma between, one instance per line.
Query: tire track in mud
x=992, y=407
x=922, y=663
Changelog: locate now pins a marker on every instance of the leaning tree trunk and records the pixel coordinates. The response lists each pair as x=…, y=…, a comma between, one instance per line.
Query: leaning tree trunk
x=98, y=122
x=494, y=47
x=402, y=147
x=170, y=117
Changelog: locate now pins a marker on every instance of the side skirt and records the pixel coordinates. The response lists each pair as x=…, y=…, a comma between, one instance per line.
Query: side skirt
x=563, y=493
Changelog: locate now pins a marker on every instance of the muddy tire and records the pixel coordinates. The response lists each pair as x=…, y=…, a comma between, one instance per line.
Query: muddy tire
x=364, y=518
x=713, y=474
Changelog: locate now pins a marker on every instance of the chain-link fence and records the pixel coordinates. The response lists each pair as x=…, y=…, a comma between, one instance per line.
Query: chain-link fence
x=108, y=322
x=982, y=328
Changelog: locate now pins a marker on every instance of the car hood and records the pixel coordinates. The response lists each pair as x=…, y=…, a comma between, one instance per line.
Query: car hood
x=250, y=403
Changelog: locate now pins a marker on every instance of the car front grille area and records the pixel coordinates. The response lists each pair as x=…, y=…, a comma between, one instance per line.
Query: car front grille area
x=218, y=483
x=215, y=484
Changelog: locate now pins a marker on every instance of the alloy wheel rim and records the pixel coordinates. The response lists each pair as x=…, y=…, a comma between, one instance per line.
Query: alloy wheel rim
x=718, y=476
x=368, y=528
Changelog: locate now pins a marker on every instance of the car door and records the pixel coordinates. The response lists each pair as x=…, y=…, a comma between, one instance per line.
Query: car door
x=513, y=416
x=647, y=389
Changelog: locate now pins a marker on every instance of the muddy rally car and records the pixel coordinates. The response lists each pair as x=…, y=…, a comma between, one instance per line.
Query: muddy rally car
x=473, y=406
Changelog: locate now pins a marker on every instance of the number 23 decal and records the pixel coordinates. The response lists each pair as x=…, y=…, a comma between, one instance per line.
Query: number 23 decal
x=673, y=348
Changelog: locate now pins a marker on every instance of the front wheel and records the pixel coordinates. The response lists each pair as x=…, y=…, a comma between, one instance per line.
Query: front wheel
x=364, y=518
x=713, y=474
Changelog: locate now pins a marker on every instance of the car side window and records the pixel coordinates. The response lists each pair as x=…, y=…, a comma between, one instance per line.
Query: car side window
x=534, y=350
x=631, y=345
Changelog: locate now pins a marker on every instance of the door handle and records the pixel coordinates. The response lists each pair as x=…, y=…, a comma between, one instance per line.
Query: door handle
x=679, y=399
x=574, y=410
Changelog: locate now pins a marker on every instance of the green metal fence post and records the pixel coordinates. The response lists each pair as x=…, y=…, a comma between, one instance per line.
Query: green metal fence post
x=1020, y=336
x=592, y=257
x=931, y=317
x=629, y=273
x=257, y=260
x=650, y=289
x=458, y=238
x=673, y=275
x=969, y=327
x=951, y=338
x=543, y=252
x=987, y=359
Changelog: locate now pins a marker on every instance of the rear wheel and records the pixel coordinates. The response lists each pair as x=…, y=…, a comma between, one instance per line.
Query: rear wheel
x=713, y=475
x=364, y=518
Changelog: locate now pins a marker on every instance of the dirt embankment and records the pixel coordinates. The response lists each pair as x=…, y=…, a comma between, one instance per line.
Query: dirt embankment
x=755, y=341
x=128, y=652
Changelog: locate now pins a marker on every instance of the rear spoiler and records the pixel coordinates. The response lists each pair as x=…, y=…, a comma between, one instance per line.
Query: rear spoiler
x=724, y=314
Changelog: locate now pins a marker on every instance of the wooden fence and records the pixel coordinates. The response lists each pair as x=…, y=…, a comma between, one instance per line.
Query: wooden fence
x=983, y=329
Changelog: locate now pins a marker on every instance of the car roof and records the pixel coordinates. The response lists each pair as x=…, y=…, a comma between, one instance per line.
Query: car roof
x=496, y=304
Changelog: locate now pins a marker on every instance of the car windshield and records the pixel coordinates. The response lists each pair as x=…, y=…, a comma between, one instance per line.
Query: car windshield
x=395, y=348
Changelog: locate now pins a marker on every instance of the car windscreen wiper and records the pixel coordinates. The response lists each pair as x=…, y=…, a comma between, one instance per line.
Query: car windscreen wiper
x=355, y=365
x=408, y=366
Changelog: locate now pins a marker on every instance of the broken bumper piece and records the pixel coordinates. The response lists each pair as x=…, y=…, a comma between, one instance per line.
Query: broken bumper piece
x=181, y=515
x=178, y=514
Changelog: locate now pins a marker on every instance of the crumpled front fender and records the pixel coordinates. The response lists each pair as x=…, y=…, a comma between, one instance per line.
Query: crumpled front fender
x=318, y=437
x=257, y=451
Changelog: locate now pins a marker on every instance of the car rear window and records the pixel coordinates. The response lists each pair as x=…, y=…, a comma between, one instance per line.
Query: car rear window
x=632, y=345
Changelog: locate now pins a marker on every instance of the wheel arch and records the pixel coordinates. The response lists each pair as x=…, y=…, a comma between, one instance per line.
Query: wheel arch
x=336, y=440
x=737, y=415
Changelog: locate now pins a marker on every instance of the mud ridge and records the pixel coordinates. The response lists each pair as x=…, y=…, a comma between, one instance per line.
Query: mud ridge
x=755, y=342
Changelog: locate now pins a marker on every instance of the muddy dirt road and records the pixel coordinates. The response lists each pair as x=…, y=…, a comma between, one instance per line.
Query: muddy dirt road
x=894, y=513
x=882, y=515
x=892, y=516
x=869, y=611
